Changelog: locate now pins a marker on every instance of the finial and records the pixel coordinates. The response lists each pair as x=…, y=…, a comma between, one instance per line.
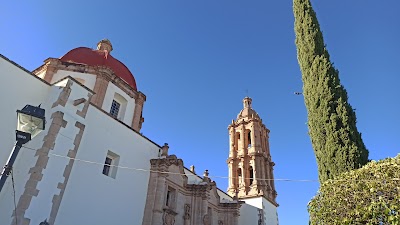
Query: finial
x=105, y=45
x=205, y=177
x=192, y=169
x=164, y=150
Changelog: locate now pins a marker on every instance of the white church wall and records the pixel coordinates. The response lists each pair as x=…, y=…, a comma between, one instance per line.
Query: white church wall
x=100, y=199
x=86, y=79
x=126, y=111
x=53, y=173
x=270, y=213
x=224, y=197
x=249, y=211
x=248, y=215
x=18, y=89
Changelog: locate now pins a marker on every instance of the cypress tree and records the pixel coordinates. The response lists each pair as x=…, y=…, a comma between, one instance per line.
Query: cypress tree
x=337, y=144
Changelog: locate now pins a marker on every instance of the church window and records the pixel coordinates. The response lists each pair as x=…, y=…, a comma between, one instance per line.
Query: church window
x=239, y=173
x=251, y=175
x=107, y=166
x=111, y=164
x=115, y=109
x=170, y=198
x=118, y=107
x=249, y=138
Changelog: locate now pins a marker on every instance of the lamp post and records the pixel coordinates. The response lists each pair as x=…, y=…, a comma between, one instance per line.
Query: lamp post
x=31, y=121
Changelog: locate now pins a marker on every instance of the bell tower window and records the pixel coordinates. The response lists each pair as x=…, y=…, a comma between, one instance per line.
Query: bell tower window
x=251, y=175
x=239, y=173
x=249, y=139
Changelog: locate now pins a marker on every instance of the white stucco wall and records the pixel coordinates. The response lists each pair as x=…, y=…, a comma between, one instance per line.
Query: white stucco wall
x=270, y=213
x=130, y=107
x=92, y=197
x=97, y=198
x=90, y=79
x=248, y=215
x=249, y=211
x=18, y=89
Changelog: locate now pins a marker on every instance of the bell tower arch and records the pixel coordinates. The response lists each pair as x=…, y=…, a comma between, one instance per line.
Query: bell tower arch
x=250, y=164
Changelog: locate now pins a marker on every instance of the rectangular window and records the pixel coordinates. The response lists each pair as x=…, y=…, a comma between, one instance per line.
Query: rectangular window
x=170, y=198
x=115, y=109
x=107, y=165
x=111, y=164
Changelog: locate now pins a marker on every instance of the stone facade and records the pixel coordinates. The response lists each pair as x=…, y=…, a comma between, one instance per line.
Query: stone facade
x=172, y=200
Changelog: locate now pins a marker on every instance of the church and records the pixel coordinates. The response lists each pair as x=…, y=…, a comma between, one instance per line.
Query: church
x=91, y=164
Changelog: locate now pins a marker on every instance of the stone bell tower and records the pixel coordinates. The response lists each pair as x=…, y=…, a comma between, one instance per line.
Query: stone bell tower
x=250, y=164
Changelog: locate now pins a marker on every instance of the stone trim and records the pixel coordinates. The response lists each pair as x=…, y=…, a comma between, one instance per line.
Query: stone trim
x=85, y=107
x=64, y=95
x=137, y=114
x=67, y=172
x=100, y=88
x=35, y=172
x=103, y=71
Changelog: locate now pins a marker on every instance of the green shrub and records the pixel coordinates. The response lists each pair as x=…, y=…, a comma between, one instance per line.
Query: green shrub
x=369, y=195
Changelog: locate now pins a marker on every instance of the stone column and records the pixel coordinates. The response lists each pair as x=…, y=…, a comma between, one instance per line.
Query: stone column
x=231, y=181
x=232, y=152
x=100, y=88
x=242, y=140
x=137, y=115
x=254, y=143
x=262, y=171
x=159, y=200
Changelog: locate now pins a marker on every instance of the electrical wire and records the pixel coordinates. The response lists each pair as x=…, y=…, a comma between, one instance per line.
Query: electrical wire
x=172, y=173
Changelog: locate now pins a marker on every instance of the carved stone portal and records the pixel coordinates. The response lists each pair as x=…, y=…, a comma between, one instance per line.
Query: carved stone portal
x=169, y=218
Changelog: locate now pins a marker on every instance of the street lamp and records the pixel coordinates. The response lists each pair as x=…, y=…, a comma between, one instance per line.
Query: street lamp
x=31, y=121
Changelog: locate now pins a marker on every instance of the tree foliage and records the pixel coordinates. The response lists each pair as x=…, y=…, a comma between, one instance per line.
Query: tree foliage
x=337, y=144
x=370, y=195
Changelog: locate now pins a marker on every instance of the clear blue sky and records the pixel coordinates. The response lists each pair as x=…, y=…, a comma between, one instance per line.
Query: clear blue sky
x=195, y=59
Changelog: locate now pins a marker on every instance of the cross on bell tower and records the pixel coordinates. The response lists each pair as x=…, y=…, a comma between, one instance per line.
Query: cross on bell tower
x=250, y=164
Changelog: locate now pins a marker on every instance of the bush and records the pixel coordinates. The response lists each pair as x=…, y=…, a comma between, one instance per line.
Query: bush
x=369, y=195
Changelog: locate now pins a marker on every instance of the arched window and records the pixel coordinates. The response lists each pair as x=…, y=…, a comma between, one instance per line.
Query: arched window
x=251, y=174
x=249, y=138
x=239, y=173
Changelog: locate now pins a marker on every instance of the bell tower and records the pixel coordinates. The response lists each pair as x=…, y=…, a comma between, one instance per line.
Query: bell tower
x=250, y=164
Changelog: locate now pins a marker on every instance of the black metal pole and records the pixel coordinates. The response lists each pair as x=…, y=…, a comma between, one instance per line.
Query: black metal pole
x=10, y=162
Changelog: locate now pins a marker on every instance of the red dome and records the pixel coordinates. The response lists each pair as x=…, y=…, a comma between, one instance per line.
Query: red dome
x=98, y=58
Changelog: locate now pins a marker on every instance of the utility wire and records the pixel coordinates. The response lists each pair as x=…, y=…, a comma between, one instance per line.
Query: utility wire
x=165, y=172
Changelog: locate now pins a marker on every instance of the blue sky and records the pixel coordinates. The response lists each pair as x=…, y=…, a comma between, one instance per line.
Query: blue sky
x=195, y=60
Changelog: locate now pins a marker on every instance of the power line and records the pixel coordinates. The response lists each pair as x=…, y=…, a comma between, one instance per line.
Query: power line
x=172, y=173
